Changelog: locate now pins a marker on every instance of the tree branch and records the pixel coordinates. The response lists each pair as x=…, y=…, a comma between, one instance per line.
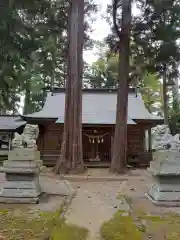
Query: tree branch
x=115, y=7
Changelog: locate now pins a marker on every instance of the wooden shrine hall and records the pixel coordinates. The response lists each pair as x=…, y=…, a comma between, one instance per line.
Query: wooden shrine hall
x=98, y=125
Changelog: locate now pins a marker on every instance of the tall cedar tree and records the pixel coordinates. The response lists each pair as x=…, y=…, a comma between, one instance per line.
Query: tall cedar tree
x=119, y=153
x=157, y=32
x=71, y=158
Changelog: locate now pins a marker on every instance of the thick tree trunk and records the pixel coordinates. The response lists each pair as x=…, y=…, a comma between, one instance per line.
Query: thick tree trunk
x=27, y=100
x=71, y=158
x=175, y=91
x=165, y=97
x=119, y=154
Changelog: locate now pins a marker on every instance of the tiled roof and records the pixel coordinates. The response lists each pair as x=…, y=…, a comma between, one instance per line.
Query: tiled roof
x=10, y=123
x=98, y=107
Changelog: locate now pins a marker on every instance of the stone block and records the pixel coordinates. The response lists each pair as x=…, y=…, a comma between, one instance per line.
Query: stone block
x=165, y=170
x=20, y=200
x=17, y=192
x=21, y=174
x=20, y=170
x=23, y=154
x=19, y=164
x=21, y=177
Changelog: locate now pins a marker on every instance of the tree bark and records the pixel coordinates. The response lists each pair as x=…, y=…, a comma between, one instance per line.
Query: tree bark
x=27, y=100
x=119, y=154
x=71, y=157
x=165, y=97
x=175, y=91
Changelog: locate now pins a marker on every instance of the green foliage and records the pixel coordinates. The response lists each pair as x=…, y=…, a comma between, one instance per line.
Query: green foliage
x=174, y=118
x=157, y=32
x=104, y=74
x=154, y=39
x=33, y=44
x=150, y=88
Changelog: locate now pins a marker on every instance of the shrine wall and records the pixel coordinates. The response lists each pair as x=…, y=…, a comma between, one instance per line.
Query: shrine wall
x=50, y=137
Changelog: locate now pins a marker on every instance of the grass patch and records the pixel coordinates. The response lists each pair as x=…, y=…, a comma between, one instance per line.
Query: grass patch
x=69, y=232
x=120, y=227
x=125, y=227
x=20, y=224
x=168, y=226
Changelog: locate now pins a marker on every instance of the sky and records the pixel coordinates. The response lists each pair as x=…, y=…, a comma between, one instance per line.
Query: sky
x=100, y=27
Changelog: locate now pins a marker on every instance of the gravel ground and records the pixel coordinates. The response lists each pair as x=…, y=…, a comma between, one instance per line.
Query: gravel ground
x=93, y=204
x=55, y=192
x=96, y=202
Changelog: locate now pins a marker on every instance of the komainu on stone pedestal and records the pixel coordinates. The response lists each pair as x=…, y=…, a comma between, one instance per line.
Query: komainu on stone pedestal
x=21, y=173
x=22, y=169
x=165, y=169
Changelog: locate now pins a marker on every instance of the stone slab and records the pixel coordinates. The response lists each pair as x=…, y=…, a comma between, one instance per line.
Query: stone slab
x=167, y=187
x=165, y=168
x=160, y=192
x=60, y=187
x=173, y=180
x=170, y=155
x=21, y=177
x=163, y=203
x=9, y=200
x=21, y=164
x=23, y=154
x=23, y=193
x=20, y=185
x=20, y=170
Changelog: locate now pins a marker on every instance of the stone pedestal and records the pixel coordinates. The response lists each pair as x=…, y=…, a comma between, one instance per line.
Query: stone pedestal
x=165, y=169
x=21, y=173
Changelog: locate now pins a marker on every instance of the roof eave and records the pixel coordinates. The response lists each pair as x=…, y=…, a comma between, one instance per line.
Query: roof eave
x=150, y=120
x=27, y=117
x=12, y=129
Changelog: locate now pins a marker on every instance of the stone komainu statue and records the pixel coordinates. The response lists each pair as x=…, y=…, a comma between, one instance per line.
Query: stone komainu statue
x=164, y=140
x=27, y=139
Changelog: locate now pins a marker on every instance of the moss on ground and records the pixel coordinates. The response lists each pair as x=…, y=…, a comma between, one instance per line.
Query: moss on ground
x=167, y=226
x=120, y=227
x=20, y=225
x=125, y=227
x=69, y=232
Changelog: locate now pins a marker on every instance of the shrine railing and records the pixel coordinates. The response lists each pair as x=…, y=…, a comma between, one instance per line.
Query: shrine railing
x=106, y=157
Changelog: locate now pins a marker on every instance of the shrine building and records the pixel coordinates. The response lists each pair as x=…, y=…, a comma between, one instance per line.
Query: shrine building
x=98, y=125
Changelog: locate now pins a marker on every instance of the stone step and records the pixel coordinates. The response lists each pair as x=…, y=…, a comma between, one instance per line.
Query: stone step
x=21, y=185
x=20, y=170
x=17, y=164
x=19, y=193
x=16, y=200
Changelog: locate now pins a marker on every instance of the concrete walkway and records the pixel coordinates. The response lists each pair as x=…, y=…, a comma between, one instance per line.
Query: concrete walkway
x=94, y=204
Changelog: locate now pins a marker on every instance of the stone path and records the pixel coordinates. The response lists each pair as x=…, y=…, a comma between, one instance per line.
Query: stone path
x=94, y=203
